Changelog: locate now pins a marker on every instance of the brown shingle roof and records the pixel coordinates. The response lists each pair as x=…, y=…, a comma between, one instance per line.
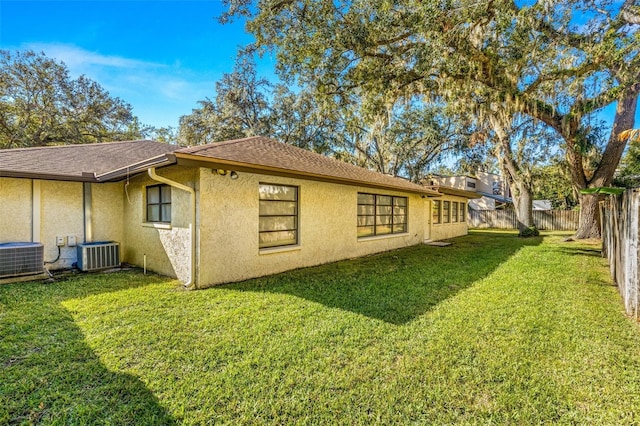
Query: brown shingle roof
x=264, y=155
x=91, y=162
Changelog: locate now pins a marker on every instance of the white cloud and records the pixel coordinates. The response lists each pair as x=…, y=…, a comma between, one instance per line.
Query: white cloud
x=77, y=58
x=159, y=93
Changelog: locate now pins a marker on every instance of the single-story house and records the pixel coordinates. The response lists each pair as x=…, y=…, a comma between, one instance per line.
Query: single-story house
x=215, y=213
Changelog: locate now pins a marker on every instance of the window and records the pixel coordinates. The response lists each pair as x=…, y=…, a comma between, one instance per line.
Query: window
x=278, y=215
x=435, y=211
x=446, y=212
x=497, y=188
x=159, y=203
x=454, y=211
x=471, y=184
x=463, y=211
x=381, y=215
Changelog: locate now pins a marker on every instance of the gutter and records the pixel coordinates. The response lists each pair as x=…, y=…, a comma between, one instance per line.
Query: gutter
x=131, y=169
x=93, y=177
x=192, y=225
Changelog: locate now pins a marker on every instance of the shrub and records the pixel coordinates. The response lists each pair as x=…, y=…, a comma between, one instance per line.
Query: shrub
x=530, y=231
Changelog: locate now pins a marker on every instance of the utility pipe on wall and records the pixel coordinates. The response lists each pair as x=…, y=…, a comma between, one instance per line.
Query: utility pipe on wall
x=192, y=225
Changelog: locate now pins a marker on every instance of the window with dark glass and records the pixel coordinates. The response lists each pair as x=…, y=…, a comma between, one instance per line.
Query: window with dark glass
x=435, y=211
x=446, y=211
x=454, y=211
x=278, y=223
x=497, y=188
x=463, y=212
x=159, y=203
x=381, y=214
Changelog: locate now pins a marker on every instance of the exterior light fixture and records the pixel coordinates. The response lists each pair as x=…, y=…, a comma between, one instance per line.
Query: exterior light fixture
x=233, y=175
x=221, y=172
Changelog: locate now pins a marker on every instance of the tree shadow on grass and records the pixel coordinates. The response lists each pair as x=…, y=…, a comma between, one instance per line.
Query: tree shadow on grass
x=48, y=374
x=581, y=251
x=400, y=285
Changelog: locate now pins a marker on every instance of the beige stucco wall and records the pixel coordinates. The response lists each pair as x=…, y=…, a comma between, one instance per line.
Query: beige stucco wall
x=15, y=210
x=61, y=214
x=443, y=231
x=107, y=205
x=167, y=247
x=227, y=242
x=327, y=227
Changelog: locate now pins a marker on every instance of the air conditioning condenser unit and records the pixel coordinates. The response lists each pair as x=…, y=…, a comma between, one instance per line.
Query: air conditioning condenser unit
x=20, y=258
x=98, y=255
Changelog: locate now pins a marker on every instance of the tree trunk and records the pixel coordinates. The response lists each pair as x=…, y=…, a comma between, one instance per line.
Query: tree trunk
x=523, y=203
x=589, y=225
x=521, y=192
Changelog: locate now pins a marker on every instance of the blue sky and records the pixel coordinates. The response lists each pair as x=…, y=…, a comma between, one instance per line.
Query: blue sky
x=159, y=56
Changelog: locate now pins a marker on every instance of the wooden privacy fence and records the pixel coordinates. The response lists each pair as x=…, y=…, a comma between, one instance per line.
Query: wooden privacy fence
x=619, y=215
x=552, y=220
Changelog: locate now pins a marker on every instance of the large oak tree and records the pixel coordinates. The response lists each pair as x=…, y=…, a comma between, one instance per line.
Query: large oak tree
x=397, y=136
x=557, y=62
x=40, y=104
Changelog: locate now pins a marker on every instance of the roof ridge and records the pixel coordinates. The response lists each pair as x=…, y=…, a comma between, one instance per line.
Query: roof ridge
x=338, y=161
x=195, y=148
x=35, y=148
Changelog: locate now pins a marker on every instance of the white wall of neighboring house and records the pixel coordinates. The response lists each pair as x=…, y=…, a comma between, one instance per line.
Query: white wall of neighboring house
x=484, y=203
x=492, y=183
x=489, y=183
x=542, y=205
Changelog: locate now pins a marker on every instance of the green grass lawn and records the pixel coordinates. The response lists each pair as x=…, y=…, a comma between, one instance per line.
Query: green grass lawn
x=493, y=329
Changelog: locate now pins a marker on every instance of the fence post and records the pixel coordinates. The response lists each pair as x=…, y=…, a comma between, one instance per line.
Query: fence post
x=620, y=244
x=633, y=252
x=637, y=253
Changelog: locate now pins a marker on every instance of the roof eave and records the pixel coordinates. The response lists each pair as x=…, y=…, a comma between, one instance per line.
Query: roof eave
x=85, y=177
x=496, y=197
x=459, y=192
x=111, y=176
x=216, y=163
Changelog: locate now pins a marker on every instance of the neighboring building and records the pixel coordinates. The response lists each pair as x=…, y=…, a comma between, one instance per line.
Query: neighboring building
x=542, y=205
x=215, y=213
x=492, y=187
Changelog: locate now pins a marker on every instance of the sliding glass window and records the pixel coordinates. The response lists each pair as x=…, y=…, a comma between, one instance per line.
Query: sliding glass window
x=278, y=215
x=381, y=214
x=446, y=211
x=436, y=211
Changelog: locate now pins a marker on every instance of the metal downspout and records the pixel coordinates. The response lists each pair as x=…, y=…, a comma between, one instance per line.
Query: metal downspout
x=36, y=218
x=192, y=225
x=87, y=212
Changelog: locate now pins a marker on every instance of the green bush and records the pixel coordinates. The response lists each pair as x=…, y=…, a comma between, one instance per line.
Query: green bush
x=530, y=231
